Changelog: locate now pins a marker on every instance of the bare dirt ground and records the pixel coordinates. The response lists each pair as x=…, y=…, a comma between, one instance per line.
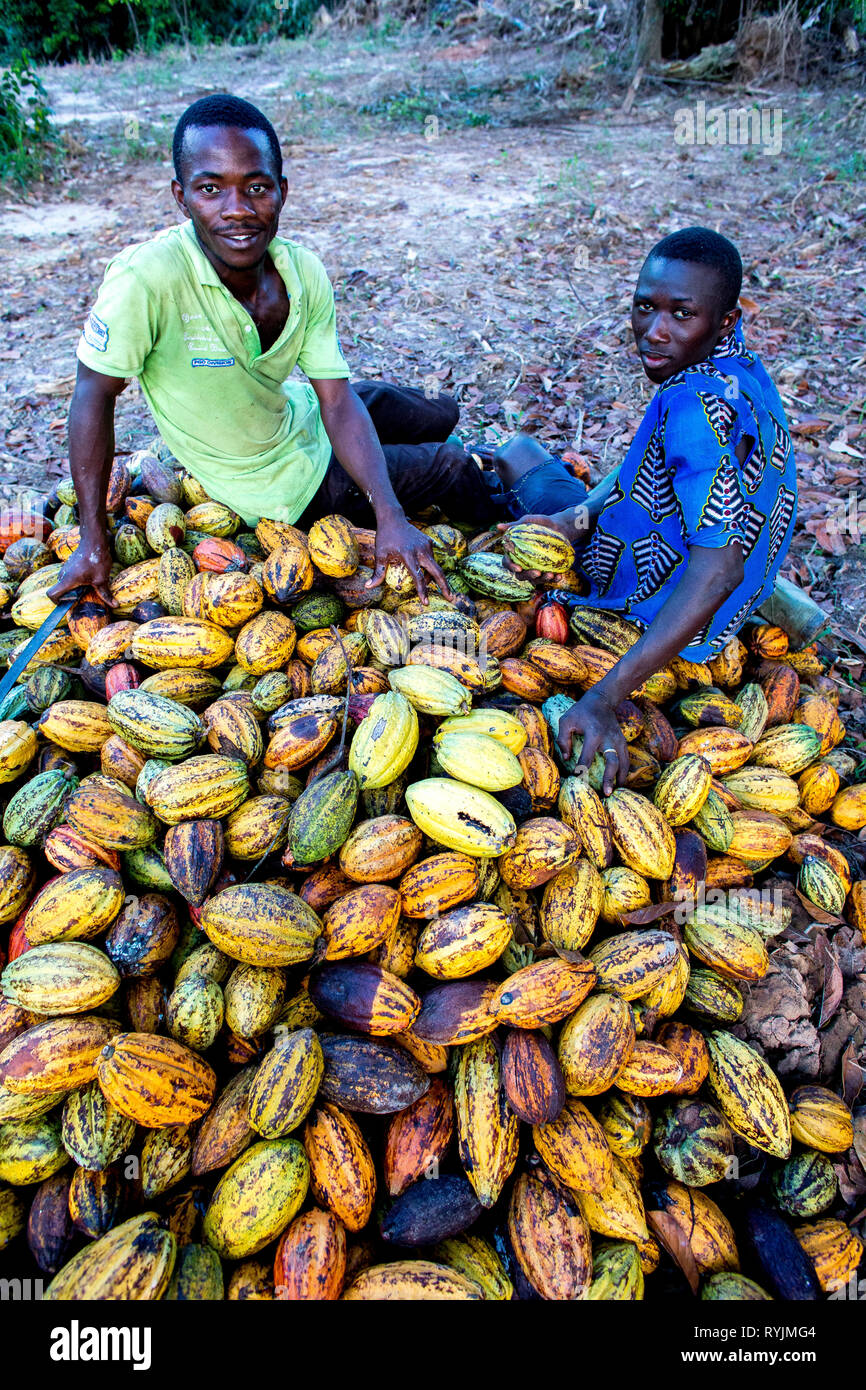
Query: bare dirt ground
x=482, y=208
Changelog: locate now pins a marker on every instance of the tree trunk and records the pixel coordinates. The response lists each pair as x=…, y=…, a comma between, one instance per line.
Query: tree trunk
x=649, y=39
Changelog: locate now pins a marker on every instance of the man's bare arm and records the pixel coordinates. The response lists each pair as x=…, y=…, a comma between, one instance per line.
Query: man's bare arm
x=354, y=441
x=91, y=453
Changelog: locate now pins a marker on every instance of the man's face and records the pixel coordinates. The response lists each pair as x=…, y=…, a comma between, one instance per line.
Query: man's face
x=231, y=192
x=675, y=316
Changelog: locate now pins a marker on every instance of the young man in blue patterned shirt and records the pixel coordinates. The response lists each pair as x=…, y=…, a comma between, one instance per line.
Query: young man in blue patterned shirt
x=687, y=536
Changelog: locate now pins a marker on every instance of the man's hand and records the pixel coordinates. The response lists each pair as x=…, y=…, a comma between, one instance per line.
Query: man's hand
x=594, y=720
x=89, y=566
x=555, y=523
x=399, y=542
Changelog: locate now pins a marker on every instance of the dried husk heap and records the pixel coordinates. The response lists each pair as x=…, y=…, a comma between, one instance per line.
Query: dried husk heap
x=324, y=977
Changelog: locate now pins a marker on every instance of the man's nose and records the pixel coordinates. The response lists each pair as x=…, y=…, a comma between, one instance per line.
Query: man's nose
x=658, y=330
x=236, y=204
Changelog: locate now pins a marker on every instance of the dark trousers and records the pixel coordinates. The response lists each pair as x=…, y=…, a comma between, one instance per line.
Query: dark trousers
x=423, y=468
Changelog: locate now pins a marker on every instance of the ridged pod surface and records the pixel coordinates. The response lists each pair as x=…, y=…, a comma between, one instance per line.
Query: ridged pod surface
x=59, y=1055
x=595, y=1043
x=542, y=848
x=497, y=724
x=730, y=947
x=225, y=1130
x=616, y=1210
x=156, y=726
x=94, y=1132
x=683, y=788
x=360, y=920
x=634, y=962
x=310, y=1261
x=342, y=1174
x=180, y=642
x=155, y=1081
x=321, y=817
x=371, y=1075
x=834, y=1250
x=641, y=834
x=617, y=1275
x=430, y=691
x=437, y=884
x=261, y=924
x=256, y=1198
x=285, y=1084
x=543, y=992
x=724, y=749
x=749, y=1094
x=549, y=1237
x=203, y=788
x=821, y=1119
x=60, y=978
x=575, y=1149
x=132, y=1262
x=380, y=849
x=479, y=760
x=571, y=905
x=532, y=1076
x=416, y=1281
x=104, y=812
x=460, y=817
x=701, y=1225
x=463, y=941
x=384, y=743
x=78, y=904
x=363, y=996
x=457, y=1012
x=651, y=1070
x=487, y=1128
x=477, y=1260
x=418, y=1137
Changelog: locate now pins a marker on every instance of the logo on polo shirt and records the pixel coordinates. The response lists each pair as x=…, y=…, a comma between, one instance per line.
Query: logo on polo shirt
x=212, y=362
x=95, y=332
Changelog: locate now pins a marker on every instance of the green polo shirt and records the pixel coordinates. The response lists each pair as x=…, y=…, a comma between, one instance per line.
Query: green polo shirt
x=225, y=409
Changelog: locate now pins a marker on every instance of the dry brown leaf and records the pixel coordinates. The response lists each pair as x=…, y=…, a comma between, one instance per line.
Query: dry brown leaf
x=852, y=1075
x=831, y=996
x=671, y=1237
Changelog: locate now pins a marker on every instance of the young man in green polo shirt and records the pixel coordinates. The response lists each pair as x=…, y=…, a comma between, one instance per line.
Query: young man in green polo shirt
x=212, y=316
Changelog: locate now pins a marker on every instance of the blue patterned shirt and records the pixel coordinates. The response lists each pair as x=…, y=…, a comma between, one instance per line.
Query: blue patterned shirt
x=681, y=484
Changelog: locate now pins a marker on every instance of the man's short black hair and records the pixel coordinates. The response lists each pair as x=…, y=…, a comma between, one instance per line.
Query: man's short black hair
x=224, y=110
x=701, y=246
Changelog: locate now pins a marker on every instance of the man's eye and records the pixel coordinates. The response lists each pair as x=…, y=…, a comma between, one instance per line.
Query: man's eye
x=257, y=188
x=207, y=188
x=683, y=313
x=643, y=308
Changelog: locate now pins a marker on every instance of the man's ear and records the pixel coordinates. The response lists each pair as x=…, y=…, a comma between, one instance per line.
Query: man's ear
x=284, y=191
x=177, y=194
x=729, y=321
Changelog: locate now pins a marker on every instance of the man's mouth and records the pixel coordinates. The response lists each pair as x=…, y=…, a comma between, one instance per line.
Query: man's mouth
x=240, y=238
x=653, y=359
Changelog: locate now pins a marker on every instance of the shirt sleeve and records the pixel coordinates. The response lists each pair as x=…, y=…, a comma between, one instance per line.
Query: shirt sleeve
x=320, y=354
x=120, y=330
x=700, y=433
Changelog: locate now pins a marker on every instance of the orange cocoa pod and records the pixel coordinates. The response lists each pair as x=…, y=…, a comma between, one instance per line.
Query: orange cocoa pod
x=310, y=1262
x=418, y=1137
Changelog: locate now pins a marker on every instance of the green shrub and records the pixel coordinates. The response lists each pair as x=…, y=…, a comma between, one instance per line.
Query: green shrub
x=63, y=30
x=28, y=145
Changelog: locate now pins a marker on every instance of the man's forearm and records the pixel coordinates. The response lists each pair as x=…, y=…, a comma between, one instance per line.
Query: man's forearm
x=354, y=441
x=91, y=451
x=710, y=578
